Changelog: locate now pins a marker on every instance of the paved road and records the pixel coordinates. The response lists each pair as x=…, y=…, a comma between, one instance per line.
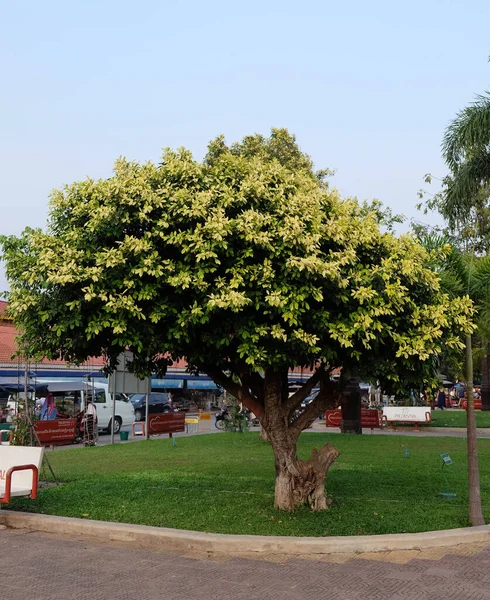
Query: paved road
x=49, y=568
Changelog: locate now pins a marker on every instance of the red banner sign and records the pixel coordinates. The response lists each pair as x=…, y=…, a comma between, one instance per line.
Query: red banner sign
x=369, y=418
x=61, y=431
x=166, y=423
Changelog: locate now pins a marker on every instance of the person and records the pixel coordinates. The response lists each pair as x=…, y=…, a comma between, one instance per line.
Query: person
x=39, y=405
x=459, y=390
x=8, y=415
x=48, y=410
x=90, y=423
x=441, y=399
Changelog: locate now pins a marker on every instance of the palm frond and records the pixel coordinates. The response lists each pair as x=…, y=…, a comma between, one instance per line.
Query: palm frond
x=460, y=264
x=468, y=181
x=451, y=284
x=469, y=133
x=480, y=277
x=434, y=240
x=483, y=319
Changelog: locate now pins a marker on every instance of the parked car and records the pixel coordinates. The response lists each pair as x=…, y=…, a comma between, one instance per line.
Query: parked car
x=159, y=402
x=309, y=399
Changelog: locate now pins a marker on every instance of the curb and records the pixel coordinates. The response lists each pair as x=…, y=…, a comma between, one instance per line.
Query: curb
x=181, y=541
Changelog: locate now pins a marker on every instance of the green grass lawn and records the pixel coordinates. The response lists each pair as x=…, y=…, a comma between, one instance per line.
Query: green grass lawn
x=457, y=418
x=224, y=483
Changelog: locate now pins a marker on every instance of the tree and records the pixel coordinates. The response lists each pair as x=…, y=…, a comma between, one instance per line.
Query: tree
x=473, y=273
x=466, y=149
x=464, y=205
x=464, y=202
x=463, y=273
x=246, y=264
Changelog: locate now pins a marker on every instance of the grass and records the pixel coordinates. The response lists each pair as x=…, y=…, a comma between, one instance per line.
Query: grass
x=225, y=483
x=457, y=418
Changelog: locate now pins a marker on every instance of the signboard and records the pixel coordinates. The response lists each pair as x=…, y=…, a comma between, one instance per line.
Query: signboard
x=369, y=418
x=166, y=423
x=124, y=382
x=60, y=431
x=447, y=459
x=333, y=418
x=201, y=384
x=167, y=382
x=407, y=414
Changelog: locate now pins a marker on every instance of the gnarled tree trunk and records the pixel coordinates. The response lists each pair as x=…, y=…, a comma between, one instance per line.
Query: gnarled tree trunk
x=300, y=482
x=282, y=420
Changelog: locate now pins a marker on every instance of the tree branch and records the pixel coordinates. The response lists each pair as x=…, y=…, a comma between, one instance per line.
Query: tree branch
x=297, y=398
x=255, y=383
x=241, y=393
x=324, y=399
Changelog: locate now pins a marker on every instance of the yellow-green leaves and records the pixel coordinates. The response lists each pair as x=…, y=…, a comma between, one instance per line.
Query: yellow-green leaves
x=244, y=258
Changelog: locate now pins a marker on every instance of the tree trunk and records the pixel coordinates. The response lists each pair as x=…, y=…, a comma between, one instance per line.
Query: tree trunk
x=485, y=383
x=263, y=435
x=300, y=482
x=282, y=420
x=351, y=406
x=475, y=511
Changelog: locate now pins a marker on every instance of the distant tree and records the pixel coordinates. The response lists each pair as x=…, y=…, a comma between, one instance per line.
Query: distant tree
x=466, y=149
x=246, y=264
x=462, y=274
x=464, y=204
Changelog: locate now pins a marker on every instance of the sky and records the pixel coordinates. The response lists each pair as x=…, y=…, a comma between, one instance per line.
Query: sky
x=367, y=87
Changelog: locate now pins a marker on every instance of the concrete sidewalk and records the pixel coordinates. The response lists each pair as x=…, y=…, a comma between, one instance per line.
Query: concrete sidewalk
x=52, y=568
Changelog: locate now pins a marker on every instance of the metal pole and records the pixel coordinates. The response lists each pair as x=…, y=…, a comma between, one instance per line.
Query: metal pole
x=113, y=419
x=147, y=405
x=26, y=405
x=26, y=385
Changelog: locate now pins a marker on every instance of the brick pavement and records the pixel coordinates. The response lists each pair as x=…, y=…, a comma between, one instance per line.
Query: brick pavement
x=49, y=568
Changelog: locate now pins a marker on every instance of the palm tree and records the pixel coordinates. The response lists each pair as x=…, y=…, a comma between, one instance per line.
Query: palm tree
x=466, y=150
x=466, y=274
x=472, y=273
x=464, y=203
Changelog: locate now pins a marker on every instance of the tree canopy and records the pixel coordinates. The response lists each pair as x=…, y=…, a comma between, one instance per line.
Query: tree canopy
x=242, y=262
x=466, y=149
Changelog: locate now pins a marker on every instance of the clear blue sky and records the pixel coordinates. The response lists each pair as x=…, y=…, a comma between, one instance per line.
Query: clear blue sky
x=368, y=87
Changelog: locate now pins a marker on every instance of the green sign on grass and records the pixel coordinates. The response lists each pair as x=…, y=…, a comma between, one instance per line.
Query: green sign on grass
x=447, y=459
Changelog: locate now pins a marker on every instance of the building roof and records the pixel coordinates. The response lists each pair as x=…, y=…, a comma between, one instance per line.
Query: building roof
x=7, y=341
x=8, y=348
x=3, y=309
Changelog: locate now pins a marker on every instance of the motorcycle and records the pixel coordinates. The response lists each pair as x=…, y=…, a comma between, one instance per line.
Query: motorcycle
x=221, y=418
x=224, y=416
x=252, y=420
